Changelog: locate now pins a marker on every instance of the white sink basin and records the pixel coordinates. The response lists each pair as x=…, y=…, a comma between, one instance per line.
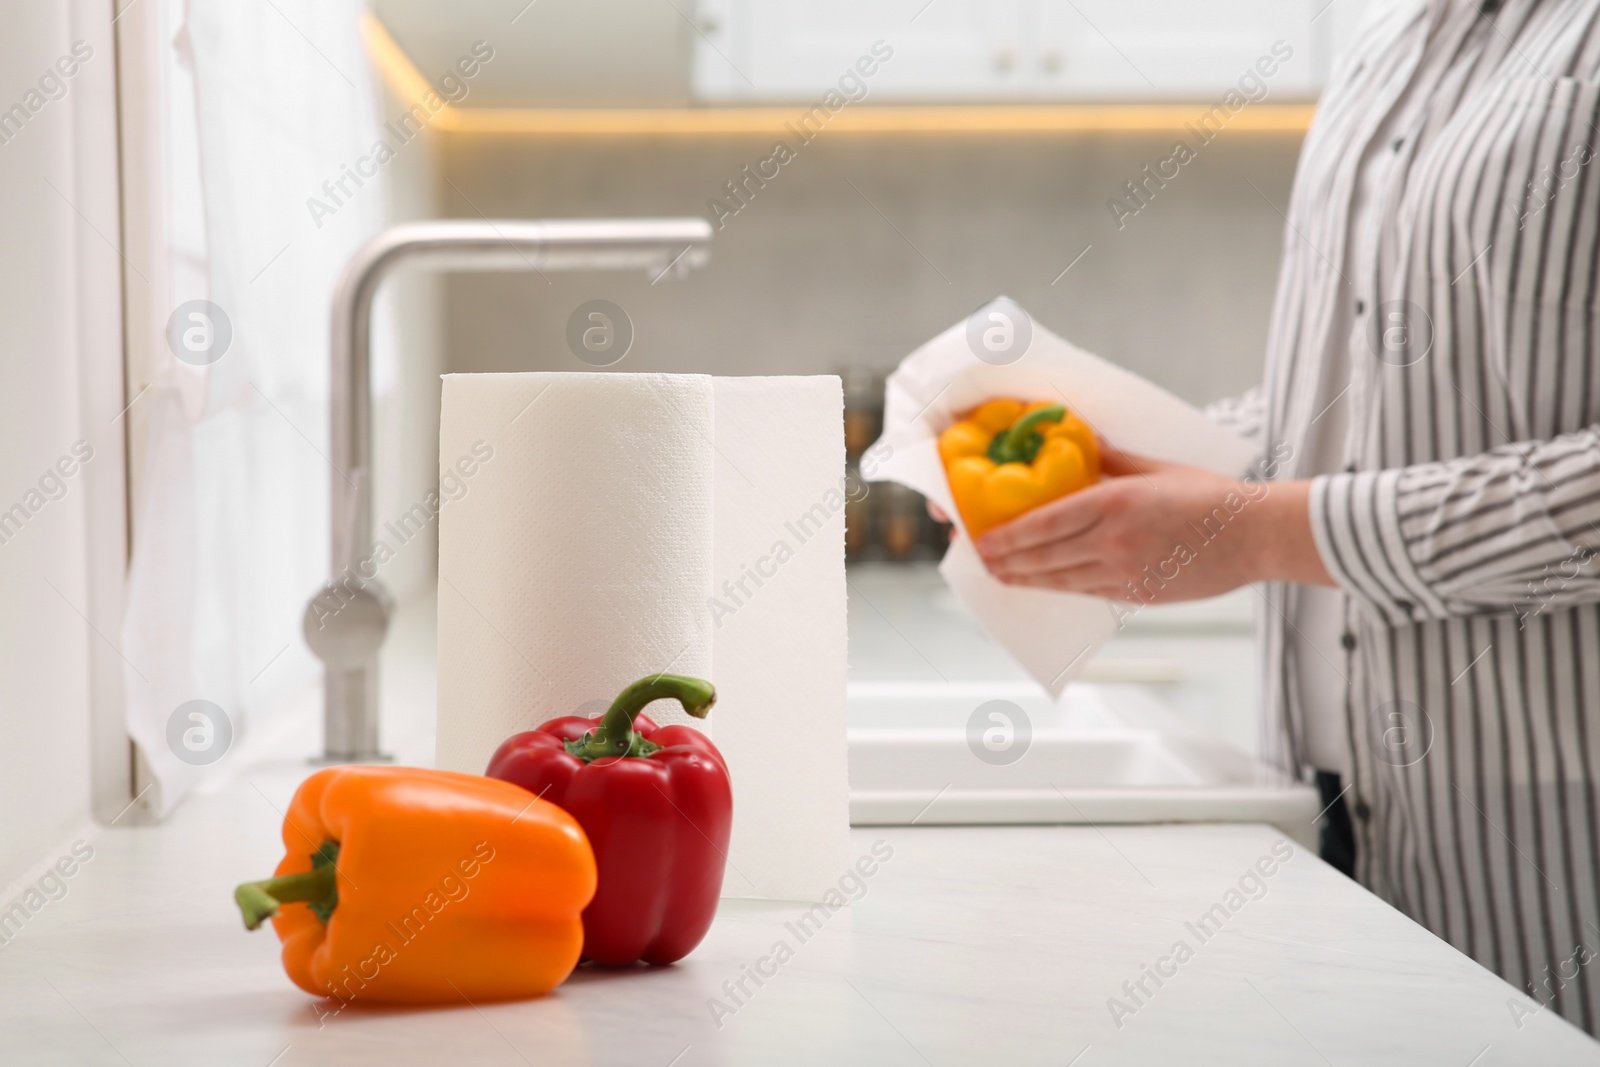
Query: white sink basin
x=969, y=752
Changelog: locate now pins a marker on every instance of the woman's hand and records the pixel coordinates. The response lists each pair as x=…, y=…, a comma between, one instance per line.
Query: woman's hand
x=1154, y=531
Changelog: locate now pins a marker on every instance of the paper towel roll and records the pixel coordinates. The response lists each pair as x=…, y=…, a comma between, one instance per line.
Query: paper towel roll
x=628, y=523
x=578, y=557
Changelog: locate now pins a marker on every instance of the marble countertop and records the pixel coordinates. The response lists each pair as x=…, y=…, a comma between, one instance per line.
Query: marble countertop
x=994, y=945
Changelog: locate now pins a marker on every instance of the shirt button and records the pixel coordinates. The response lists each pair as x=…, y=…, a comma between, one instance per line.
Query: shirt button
x=1360, y=306
x=1348, y=640
x=1406, y=606
x=1349, y=468
x=1363, y=810
x=1399, y=143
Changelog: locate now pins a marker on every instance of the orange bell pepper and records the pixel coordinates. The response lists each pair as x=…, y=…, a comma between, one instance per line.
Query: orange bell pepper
x=1006, y=458
x=404, y=885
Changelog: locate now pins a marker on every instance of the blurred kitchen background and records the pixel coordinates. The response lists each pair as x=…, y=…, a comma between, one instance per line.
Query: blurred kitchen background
x=996, y=138
x=227, y=152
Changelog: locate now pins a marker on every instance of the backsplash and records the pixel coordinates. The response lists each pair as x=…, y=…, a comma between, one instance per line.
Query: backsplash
x=868, y=245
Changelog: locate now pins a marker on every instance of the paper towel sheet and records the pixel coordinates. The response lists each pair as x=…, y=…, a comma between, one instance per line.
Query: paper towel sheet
x=778, y=618
x=578, y=559
x=1052, y=635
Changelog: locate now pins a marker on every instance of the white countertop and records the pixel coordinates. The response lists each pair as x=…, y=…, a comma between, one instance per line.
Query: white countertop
x=993, y=945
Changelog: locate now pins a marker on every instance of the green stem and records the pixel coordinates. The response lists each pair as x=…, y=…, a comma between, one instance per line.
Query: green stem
x=318, y=887
x=1021, y=443
x=615, y=736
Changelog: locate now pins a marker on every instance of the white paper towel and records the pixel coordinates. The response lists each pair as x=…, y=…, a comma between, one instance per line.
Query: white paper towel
x=778, y=619
x=578, y=560
x=1052, y=635
x=630, y=523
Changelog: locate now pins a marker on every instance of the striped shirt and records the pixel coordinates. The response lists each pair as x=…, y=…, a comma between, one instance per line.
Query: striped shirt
x=1434, y=366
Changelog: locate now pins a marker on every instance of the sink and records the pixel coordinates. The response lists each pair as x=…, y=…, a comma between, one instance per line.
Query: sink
x=952, y=753
x=945, y=729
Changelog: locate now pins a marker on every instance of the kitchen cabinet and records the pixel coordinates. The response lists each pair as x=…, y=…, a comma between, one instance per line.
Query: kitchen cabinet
x=771, y=50
x=984, y=51
x=1172, y=49
x=643, y=53
x=550, y=53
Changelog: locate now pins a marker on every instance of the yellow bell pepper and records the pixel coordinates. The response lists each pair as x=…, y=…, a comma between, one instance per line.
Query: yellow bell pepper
x=1006, y=458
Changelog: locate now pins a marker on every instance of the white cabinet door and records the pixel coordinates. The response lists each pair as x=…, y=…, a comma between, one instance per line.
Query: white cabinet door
x=797, y=50
x=1175, y=49
x=995, y=50
x=552, y=53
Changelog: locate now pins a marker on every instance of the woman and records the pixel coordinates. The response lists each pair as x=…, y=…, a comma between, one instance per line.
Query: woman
x=1426, y=554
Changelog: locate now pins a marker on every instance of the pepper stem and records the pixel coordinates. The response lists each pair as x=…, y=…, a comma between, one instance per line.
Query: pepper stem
x=1022, y=442
x=318, y=887
x=615, y=735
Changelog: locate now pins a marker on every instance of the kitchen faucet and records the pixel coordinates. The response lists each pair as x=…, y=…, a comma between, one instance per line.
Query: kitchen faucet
x=347, y=639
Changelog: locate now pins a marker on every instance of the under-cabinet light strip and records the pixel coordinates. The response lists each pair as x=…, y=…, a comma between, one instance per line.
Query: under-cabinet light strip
x=408, y=84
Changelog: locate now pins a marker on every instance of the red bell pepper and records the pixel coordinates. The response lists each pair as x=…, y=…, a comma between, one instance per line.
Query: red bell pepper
x=657, y=806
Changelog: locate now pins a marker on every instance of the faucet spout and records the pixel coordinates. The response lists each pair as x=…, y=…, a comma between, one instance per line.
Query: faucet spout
x=346, y=620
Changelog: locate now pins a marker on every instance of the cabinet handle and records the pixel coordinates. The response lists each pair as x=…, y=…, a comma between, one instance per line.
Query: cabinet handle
x=1005, y=59
x=1051, y=60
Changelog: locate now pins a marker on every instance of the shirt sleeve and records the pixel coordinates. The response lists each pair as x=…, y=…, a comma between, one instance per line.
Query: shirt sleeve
x=1245, y=415
x=1511, y=529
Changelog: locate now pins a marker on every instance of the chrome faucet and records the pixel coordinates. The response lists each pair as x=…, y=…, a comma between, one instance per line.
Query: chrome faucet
x=347, y=630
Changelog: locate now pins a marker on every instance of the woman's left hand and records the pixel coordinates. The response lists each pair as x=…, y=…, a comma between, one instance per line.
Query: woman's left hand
x=1155, y=531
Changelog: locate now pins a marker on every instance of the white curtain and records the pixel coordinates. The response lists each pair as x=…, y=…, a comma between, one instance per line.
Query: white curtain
x=260, y=105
